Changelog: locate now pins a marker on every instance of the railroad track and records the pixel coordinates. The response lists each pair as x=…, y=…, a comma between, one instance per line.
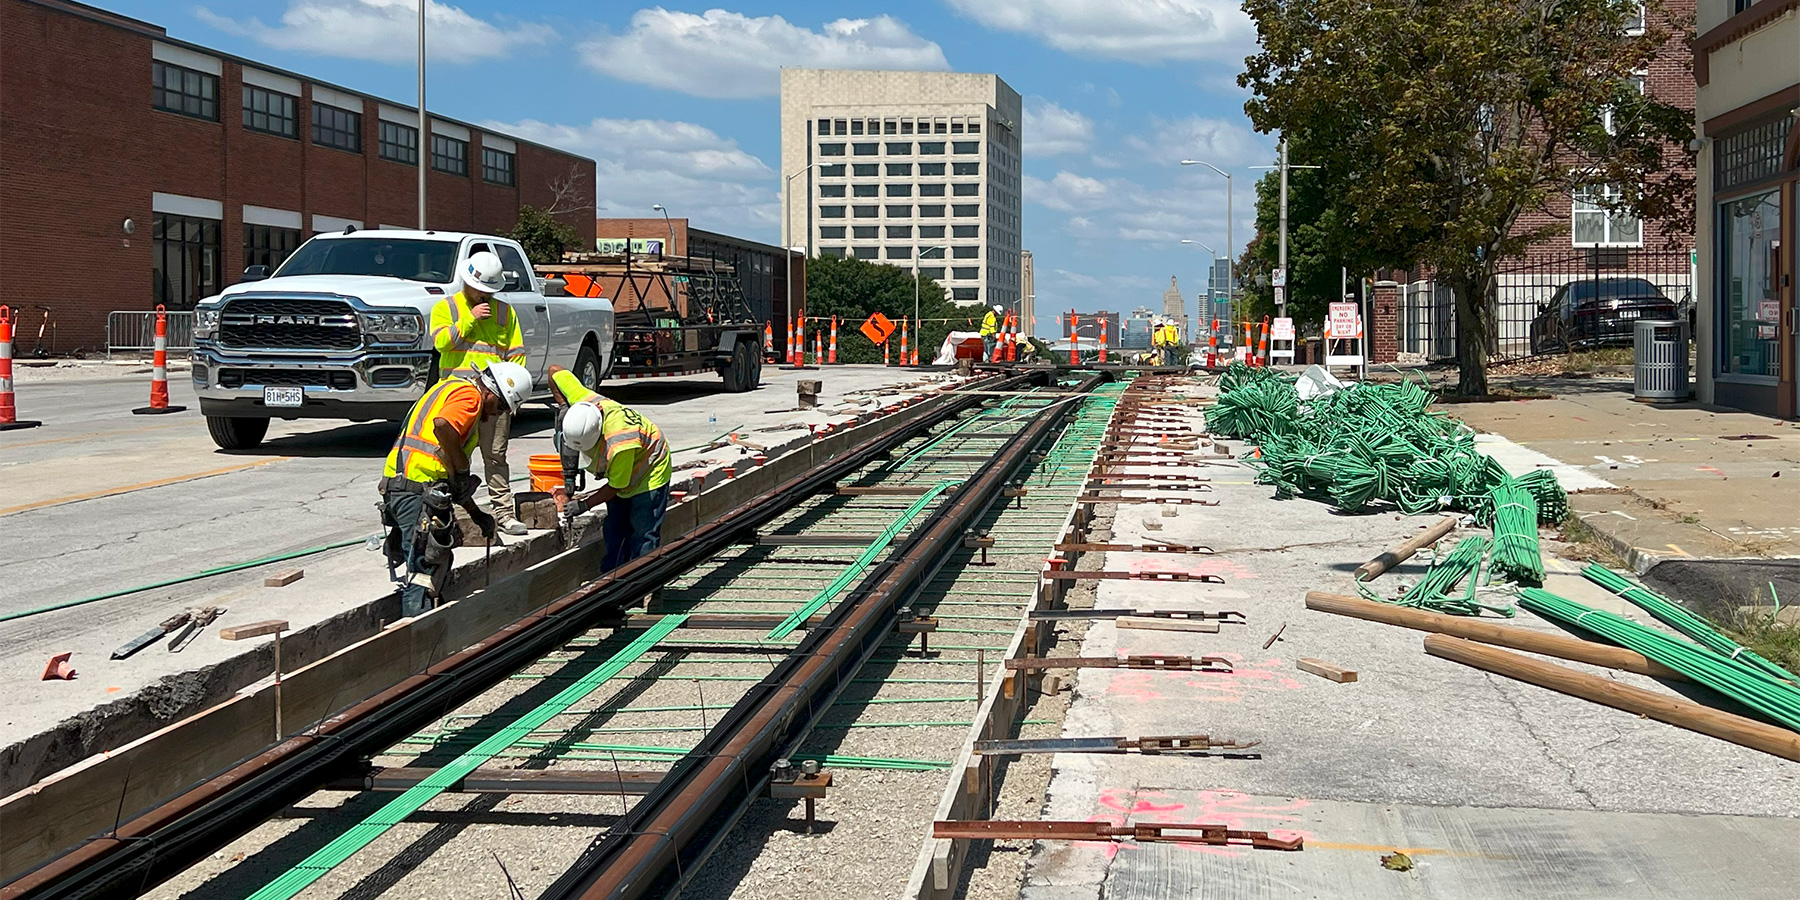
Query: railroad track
x=859, y=586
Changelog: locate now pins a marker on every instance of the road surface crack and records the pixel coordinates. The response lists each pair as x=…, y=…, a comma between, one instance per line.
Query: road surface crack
x=1569, y=771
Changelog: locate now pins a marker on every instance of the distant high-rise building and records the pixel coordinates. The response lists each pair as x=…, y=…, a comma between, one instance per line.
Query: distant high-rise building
x=1027, y=295
x=907, y=168
x=1175, y=307
x=1216, y=302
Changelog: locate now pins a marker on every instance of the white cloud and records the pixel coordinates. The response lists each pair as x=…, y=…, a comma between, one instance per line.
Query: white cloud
x=1051, y=130
x=1067, y=192
x=1120, y=209
x=725, y=54
x=1133, y=30
x=383, y=31
x=689, y=169
x=1223, y=143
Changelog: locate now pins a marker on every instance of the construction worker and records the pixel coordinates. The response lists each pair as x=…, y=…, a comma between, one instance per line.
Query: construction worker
x=470, y=328
x=428, y=472
x=622, y=449
x=990, y=330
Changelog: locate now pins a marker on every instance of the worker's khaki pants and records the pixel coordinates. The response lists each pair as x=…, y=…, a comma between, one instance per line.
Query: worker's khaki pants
x=494, y=434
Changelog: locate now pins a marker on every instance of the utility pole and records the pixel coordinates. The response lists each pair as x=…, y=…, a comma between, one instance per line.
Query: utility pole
x=424, y=120
x=1230, y=241
x=1281, y=261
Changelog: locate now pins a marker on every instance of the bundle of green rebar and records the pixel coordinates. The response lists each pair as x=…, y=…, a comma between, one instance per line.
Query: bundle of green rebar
x=1694, y=627
x=1462, y=565
x=1516, y=555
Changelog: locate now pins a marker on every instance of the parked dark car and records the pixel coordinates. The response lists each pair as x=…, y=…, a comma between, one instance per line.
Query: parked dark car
x=1597, y=313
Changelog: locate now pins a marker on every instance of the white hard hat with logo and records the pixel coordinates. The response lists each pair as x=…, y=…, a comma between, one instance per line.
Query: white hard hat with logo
x=482, y=272
x=581, y=430
x=510, y=380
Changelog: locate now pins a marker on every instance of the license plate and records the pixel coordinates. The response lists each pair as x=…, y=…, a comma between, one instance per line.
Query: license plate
x=1630, y=313
x=284, y=396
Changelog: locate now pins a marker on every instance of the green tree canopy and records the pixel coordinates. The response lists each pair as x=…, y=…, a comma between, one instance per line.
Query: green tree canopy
x=1441, y=122
x=543, y=237
x=853, y=289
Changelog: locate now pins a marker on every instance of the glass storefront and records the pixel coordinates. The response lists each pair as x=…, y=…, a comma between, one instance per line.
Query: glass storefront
x=1749, y=311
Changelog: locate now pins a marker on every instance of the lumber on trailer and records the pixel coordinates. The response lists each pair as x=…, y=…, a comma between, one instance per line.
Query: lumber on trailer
x=1374, y=568
x=1675, y=711
x=1557, y=645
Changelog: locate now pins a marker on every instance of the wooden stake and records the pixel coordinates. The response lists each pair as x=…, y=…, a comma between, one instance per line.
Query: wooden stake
x=1374, y=568
x=1326, y=670
x=1685, y=713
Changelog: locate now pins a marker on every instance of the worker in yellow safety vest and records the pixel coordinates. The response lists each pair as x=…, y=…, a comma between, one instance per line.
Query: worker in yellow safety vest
x=990, y=330
x=427, y=473
x=622, y=449
x=468, y=329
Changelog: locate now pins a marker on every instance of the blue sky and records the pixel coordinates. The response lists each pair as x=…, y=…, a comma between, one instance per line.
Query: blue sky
x=678, y=105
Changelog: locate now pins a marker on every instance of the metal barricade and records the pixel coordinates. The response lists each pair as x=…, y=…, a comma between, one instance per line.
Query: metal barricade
x=1660, y=360
x=132, y=331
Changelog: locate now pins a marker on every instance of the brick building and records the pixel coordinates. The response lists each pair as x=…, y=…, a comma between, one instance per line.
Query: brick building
x=139, y=169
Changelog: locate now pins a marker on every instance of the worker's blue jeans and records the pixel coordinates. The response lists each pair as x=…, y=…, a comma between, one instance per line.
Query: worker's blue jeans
x=633, y=526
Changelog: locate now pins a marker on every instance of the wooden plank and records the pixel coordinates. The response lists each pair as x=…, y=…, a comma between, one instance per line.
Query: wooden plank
x=1374, y=568
x=1149, y=623
x=285, y=578
x=1675, y=711
x=254, y=629
x=1549, y=644
x=1325, y=670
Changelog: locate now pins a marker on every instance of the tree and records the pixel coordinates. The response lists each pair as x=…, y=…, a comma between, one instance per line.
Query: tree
x=1441, y=122
x=852, y=289
x=543, y=238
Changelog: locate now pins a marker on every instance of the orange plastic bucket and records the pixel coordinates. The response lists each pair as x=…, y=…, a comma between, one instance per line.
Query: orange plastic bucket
x=546, y=472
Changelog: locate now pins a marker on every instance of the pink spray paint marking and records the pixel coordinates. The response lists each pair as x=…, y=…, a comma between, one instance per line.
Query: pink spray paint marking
x=1224, y=568
x=1235, y=810
x=1201, y=687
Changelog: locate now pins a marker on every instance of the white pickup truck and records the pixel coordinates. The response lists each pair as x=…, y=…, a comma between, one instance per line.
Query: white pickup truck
x=339, y=330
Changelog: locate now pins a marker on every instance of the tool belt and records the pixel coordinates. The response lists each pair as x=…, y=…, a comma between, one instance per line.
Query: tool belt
x=401, y=484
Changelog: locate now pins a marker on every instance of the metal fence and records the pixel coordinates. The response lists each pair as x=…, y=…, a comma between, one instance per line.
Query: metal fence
x=129, y=331
x=1524, y=291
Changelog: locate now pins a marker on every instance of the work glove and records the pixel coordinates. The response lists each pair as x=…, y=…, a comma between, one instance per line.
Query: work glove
x=462, y=487
x=483, y=521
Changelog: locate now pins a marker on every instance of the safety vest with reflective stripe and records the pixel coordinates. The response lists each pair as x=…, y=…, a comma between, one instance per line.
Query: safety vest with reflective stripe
x=465, y=342
x=622, y=429
x=418, y=439
x=990, y=325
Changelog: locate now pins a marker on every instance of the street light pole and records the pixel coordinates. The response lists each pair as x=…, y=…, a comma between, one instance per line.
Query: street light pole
x=1281, y=255
x=787, y=231
x=1230, y=241
x=918, y=326
x=424, y=120
x=669, y=250
x=1215, y=259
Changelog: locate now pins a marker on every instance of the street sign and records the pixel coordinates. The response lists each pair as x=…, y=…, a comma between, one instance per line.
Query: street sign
x=1279, y=279
x=1282, y=330
x=1343, y=321
x=1280, y=295
x=877, y=328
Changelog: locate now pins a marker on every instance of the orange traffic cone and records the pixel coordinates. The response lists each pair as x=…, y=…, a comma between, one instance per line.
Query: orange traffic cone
x=58, y=669
x=159, y=370
x=9, y=417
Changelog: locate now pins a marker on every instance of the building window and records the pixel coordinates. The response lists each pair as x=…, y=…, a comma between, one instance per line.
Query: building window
x=965, y=168
x=1634, y=81
x=824, y=127
x=865, y=170
x=838, y=127
x=865, y=190
x=956, y=125
x=268, y=245
x=889, y=126
x=497, y=167
x=833, y=232
x=931, y=148
x=867, y=252
x=899, y=253
x=899, y=231
x=865, y=232
x=855, y=126
x=184, y=260
x=966, y=210
x=449, y=155
x=399, y=143
x=1593, y=224
x=270, y=112
x=974, y=126
x=906, y=126
x=965, y=295
x=1750, y=155
x=929, y=169
x=965, y=231
x=965, y=252
x=1635, y=24
x=931, y=231
x=340, y=128
x=899, y=190
x=934, y=272
x=900, y=211
x=831, y=190
x=935, y=211
x=899, y=148
x=1749, y=299
x=834, y=171
x=966, y=147
x=831, y=212
x=865, y=149
x=965, y=190
x=899, y=169
x=190, y=92
x=866, y=212
x=831, y=149
x=831, y=252
x=931, y=190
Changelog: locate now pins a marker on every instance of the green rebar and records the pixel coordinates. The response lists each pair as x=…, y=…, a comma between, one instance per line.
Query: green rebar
x=1694, y=627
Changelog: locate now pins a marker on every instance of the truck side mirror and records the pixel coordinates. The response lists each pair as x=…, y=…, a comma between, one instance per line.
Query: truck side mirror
x=256, y=273
x=512, y=281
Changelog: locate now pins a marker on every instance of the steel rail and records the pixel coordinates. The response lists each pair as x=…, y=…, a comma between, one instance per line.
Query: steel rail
x=153, y=846
x=656, y=846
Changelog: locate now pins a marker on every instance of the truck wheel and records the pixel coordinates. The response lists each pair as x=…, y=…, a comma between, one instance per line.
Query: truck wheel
x=738, y=375
x=236, y=432
x=587, y=368
x=755, y=369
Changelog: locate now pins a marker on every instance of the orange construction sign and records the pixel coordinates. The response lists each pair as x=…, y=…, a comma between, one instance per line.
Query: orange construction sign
x=878, y=328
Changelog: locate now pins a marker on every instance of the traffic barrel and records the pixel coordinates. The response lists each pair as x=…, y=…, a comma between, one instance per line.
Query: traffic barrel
x=768, y=342
x=1212, y=345
x=1074, y=339
x=903, y=357
x=1103, y=339
x=1262, y=348
x=159, y=370
x=9, y=416
x=887, y=352
x=834, y=340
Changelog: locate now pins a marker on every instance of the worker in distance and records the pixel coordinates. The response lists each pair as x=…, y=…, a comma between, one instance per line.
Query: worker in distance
x=626, y=452
x=990, y=331
x=469, y=329
x=427, y=475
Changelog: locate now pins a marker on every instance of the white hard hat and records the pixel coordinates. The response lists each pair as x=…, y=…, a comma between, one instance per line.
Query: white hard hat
x=510, y=380
x=482, y=272
x=581, y=430
x=999, y=309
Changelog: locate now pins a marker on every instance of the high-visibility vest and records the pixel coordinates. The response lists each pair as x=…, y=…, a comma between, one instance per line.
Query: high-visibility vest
x=990, y=325
x=465, y=343
x=622, y=429
x=418, y=441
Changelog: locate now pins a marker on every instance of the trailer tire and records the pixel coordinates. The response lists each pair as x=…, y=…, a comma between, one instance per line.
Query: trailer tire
x=739, y=376
x=236, y=432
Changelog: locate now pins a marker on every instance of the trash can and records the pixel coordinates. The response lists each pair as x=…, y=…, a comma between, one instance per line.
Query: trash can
x=1660, y=360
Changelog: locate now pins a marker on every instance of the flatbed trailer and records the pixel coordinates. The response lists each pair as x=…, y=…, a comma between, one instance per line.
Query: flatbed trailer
x=673, y=316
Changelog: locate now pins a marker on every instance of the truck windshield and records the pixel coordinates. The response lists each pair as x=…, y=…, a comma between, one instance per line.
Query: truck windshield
x=413, y=260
